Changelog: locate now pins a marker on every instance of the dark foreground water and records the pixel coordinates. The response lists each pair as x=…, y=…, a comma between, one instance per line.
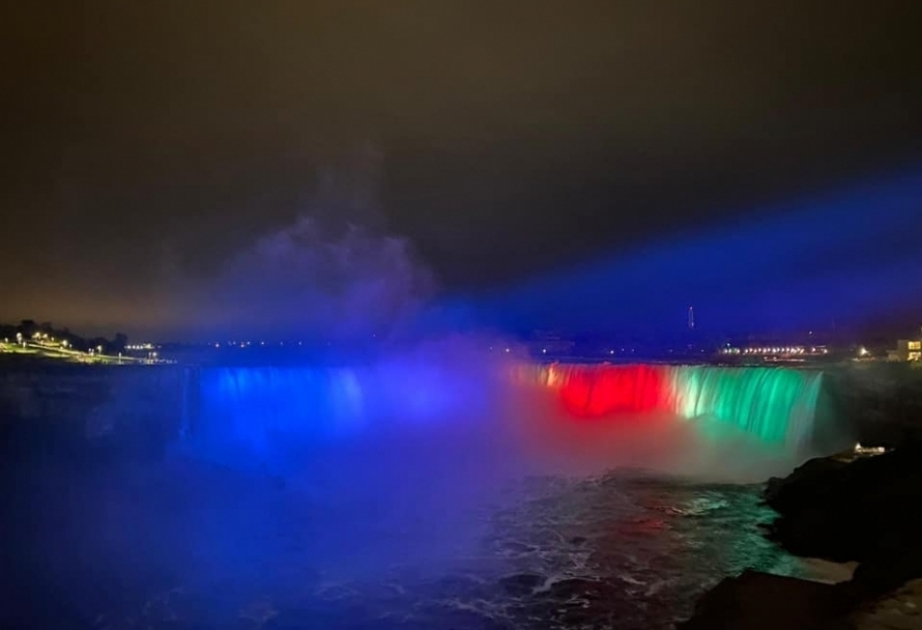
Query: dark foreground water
x=189, y=545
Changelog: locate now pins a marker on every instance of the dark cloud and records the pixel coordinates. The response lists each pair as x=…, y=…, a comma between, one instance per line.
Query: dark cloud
x=515, y=137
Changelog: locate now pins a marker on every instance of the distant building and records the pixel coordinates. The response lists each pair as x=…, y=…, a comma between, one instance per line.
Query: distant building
x=907, y=350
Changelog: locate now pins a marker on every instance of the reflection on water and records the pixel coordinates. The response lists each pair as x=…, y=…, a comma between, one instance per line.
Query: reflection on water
x=192, y=546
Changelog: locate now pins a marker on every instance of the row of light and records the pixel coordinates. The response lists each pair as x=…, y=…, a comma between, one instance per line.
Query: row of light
x=141, y=346
x=235, y=344
x=245, y=344
x=42, y=338
x=776, y=350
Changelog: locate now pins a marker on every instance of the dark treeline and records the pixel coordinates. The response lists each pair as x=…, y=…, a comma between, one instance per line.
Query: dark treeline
x=30, y=330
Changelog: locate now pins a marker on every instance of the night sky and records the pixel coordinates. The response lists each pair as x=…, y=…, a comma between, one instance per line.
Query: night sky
x=146, y=146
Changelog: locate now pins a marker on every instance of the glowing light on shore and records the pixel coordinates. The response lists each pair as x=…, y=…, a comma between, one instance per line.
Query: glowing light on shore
x=869, y=450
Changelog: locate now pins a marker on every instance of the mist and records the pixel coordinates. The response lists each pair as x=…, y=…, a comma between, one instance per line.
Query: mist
x=333, y=274
x=303, y=281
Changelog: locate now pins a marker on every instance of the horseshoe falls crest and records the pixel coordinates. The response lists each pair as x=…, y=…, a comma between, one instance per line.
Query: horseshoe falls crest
x=253, y=407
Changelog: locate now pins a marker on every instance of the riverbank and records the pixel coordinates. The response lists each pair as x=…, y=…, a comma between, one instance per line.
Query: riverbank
x=860, y=507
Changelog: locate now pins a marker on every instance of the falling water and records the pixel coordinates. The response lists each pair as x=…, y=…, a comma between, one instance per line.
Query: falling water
x=254, y=407
x=245, y=413
x=777, y=405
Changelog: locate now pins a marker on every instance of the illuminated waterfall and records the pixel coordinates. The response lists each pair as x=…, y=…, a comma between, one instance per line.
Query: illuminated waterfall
x=294, y=400
x=255, y=407
x=775, y=404
x=258, y=408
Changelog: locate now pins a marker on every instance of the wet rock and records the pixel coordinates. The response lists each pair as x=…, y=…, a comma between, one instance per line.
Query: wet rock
x=755, y=600
x=901, y=610
x=811, y=478
x=888, y=570
x=841, y=508
x=864, y=510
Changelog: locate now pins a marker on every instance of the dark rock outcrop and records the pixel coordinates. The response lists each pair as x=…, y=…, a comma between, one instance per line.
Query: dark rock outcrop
x=842, y=508
x=864, y=510
x=900, y=610
x=755, y=600
x=877, y=403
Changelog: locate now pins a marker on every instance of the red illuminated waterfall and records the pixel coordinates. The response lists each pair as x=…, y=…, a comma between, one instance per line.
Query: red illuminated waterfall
x=591, y=391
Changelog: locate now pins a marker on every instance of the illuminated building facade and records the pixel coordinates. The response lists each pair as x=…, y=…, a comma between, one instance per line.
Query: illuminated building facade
x=908, y=350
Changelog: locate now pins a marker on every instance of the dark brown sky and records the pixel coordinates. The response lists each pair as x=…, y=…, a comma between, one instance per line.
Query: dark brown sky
x=515, y=136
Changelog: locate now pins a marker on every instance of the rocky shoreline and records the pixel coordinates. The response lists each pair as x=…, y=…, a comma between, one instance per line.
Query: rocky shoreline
x=861, y=507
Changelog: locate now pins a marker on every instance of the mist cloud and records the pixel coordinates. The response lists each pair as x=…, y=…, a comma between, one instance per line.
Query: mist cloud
x=300, y=279
x=333, y=274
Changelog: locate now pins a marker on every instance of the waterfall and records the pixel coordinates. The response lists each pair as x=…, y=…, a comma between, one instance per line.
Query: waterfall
x=250, y=402
x=775, y=404
x=245, y=411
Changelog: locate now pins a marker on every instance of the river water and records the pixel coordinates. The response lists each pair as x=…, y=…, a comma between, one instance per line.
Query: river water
x=458, y=510
x=192, y=546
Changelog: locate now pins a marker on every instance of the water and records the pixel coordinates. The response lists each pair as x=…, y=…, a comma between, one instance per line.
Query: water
x=188, y=546
x=414, y=494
